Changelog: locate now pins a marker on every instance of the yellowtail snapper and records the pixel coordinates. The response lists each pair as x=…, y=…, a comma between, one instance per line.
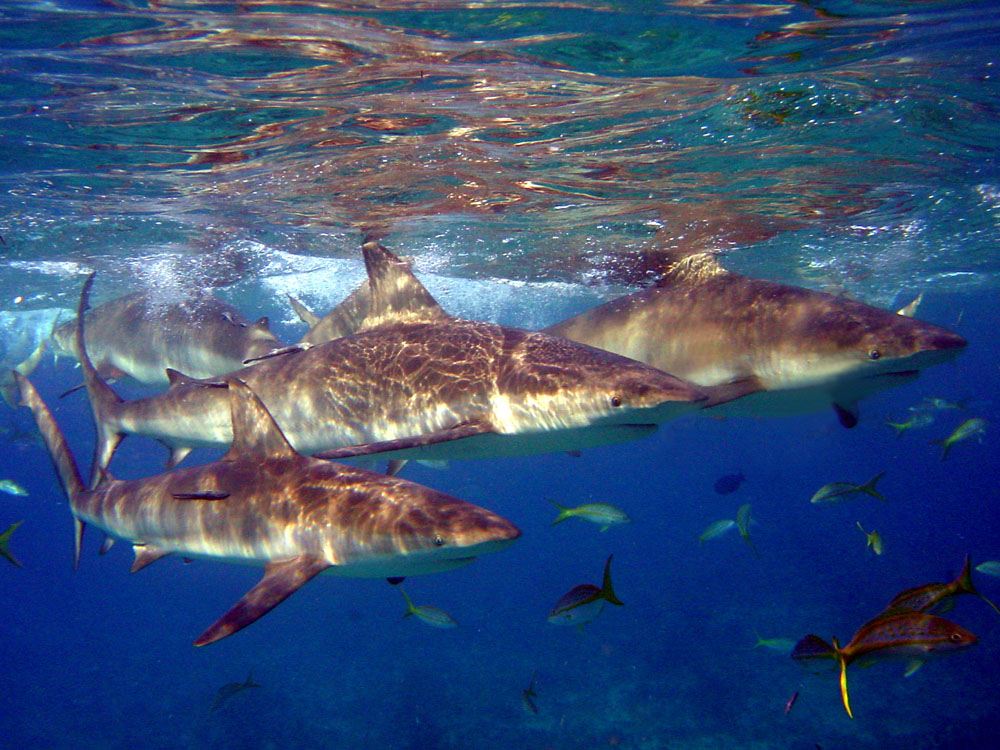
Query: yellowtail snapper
x=743, y=526
x=917, y=419
x=873, y=540
x=970, y=428
x=990, y=567
x=781, y=645
x=836, y=492
x=4, y=539
x=436, y=618
x=229, y=690
x=600, y=513
x=12, y=488
x=581, y=604
x=528, y=696
x=716, y=529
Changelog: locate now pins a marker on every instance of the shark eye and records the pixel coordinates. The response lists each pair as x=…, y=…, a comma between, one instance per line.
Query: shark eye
x=616, y=401
x=438, y=541
x=874, y=354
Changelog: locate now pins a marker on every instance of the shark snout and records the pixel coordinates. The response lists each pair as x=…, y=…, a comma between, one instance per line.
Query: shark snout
x=944, y=341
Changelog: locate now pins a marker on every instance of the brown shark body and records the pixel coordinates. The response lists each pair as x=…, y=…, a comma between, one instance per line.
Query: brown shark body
x=417, y=383
x=264, y=503
x=805, y=349
x=138, y=337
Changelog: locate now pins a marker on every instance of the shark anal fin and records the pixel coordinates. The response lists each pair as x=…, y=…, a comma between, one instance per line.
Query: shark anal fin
x=146, y=554
x=464, y=430
x=281, y=580
x=848, y=416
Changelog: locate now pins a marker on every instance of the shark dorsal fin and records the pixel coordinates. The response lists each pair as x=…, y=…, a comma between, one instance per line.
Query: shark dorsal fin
x=254, y=429
x=397, y=295
x=691, y=268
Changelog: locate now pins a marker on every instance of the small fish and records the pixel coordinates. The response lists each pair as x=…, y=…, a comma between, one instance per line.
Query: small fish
x=938, y=596
x=581, y=604
x=4, y=539
x=528, y=696
x=716, y=529
x=743, y=526
x=729, y=483
x=895, y=633
x=916, y=420
x=835, y=492
x=939, y=404
x=990, y=567
x=229, y=690
x=601, y=513
x=436, y=618
x=12, y=488
x=781, y=645
x=968, y=429
x=791, y=702
x=874, y=539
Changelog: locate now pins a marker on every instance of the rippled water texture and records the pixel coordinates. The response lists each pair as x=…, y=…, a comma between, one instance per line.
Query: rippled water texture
x=525, y=139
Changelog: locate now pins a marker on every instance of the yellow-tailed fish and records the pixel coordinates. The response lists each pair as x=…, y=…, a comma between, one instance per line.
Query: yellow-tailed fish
x=743, y=526
x=781, y=645
x=4, y=539
x=228, y=691
x=581, y=604
x=969, y=428
x=600, y=513
x=836, y=492
x=938, y=596
x=917, y=419
x=874, y=539
x=716, y=529
x=990, y=567
x=898, y=633
x=528, y=696
x=12, y=488
x=436, y=618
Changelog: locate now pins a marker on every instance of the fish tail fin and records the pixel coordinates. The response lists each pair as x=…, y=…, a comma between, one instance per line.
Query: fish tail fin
x=945, y=447
x=607, y=591
x=410, y=609
x=4, y=539
x=564, y=512
x=104, y=402
x=869, y=487
x=843, y=684
x=964, y=583
x=250, y=683
x=62, y=457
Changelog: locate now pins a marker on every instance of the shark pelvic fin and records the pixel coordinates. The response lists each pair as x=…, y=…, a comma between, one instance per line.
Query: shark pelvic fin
x=464, y=430
x=106, y=545
x=177, y=454
x=397, y=295
x=254, y=429
x=146, y=554
x=281, y=580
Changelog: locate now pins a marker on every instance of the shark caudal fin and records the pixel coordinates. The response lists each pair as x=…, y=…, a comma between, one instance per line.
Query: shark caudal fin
x=607, y=591
x=397, y=295
x=103, y=401
x=62, y=458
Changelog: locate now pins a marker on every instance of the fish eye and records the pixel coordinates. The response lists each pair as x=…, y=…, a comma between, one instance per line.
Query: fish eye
x=956, y=637
x=438, y=540
x=616, y=401
x=874, y=354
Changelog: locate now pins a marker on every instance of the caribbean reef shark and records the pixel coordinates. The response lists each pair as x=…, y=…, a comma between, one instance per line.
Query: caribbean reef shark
x=264, y=503
x=804, y=350
x=415, y=382
x=138, y=337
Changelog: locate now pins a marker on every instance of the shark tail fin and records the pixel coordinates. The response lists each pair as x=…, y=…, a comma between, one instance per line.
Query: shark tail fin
x=104, y=402
x=869, y=487
x=607, y=591
x=62, y=457
x=397, y=295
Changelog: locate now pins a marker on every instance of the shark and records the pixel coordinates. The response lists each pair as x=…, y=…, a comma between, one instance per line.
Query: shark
x=140, y=337
x=414, y=382
x=800, y=350
x=24, y=336
x=264, y=503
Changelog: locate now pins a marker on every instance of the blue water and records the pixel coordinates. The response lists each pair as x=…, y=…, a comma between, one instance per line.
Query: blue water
x=524, y=155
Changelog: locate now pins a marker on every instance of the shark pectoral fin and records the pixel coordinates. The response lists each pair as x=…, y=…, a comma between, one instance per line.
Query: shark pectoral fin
x=734, y=389
x=848, y=415
x=107, y=544
x=464, y=430
x=177, y=454
x=146, y=554
x=281, y=580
